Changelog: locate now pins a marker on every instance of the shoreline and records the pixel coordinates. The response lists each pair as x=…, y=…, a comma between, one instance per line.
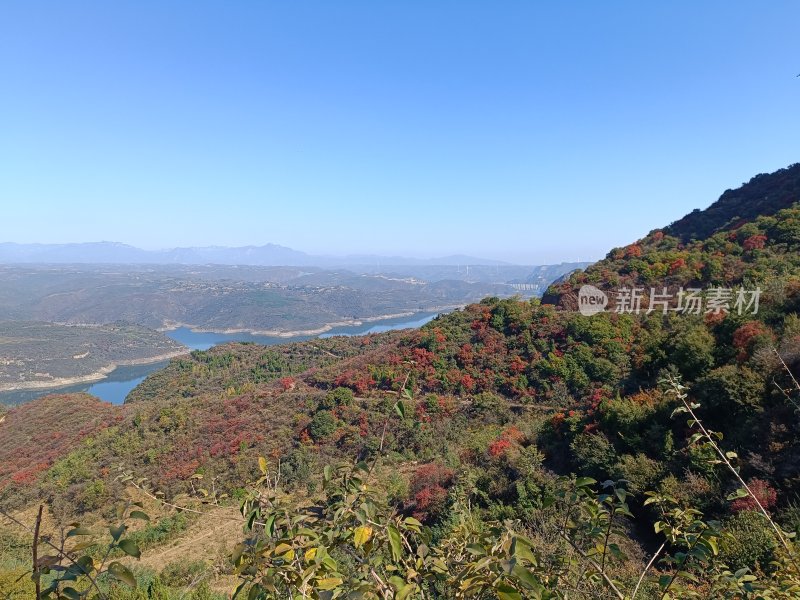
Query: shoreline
x=93, y=377
x=103, y=372
x=278, y=333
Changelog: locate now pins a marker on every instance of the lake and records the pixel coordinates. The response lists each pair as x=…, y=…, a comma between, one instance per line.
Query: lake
x=118, y=384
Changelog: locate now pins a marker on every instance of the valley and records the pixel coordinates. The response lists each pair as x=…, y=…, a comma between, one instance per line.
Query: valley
x=509, y=432
x=281, y=301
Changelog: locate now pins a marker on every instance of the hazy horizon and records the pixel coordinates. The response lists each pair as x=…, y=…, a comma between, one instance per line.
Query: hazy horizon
x=330, y=256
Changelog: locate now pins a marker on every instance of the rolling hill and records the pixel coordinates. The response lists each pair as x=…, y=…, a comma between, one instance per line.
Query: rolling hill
x=473, y=426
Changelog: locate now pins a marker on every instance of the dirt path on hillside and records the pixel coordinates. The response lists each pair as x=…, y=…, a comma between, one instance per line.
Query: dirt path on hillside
x=208, y=539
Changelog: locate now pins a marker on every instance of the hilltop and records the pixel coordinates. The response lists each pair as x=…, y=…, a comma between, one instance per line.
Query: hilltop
x=763, y=196
x=749, y=237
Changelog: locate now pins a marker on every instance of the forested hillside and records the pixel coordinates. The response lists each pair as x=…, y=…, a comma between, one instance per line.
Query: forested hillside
x=513, y=449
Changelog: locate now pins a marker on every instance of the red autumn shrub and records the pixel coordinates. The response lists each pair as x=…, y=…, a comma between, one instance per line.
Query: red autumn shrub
x=517, y=365
x=27, y=449
x=429, y=503
x=468, y=383
x=676, y=265
x=421, y=413
x=429, y=488
x=286, y=383
x=431, y=474
x=557, y=419
x=762, y=490
x=499, y=447
x=633, y=251
x=746, y=336
x=754, y=242
x=514, y=434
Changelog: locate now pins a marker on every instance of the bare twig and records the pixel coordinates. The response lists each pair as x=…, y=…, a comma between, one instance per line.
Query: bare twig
x=646, y=569
x=678, y=389
x=62, y=554
x=37, y=576
x=594, y=565
x=786, y=395
x=788, y=370
x=680, y=567
x=607, y=536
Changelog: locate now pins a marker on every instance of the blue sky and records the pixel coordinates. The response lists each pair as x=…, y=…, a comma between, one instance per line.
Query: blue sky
x=527, y=131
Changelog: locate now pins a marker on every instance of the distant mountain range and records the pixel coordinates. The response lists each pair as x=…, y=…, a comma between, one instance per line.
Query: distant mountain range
x=267, y=255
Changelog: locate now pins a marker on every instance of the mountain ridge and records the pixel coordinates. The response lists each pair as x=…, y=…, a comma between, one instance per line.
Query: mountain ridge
x=106, y=252
x=748, y=235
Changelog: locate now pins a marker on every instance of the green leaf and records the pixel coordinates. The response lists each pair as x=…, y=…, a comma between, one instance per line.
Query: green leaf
x=679, y=410
x=116, y=532
x=476, y=549
x=740, y=493
x=254, y=592
x=527, y=578
x=406, y=591
x=122, y=573
x=269, y=526
x=78, y=531
x=83, y=545
x=400, y=409
x=329, y=583
x=238, y=590
x=130, y=548
x=395, y=542
x=238, y=551
x=506, y=592
x=71, y=593
x=584, y=482
x=688, y=576
x=327, y=473
x=412, y=521
x=522, y=551
x=713, y=543
x=86, y=564
x=137, y=514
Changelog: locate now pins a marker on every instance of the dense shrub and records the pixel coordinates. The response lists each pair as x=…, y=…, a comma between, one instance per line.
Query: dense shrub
x=750, y=543
x=322, y=425
x=340, y=396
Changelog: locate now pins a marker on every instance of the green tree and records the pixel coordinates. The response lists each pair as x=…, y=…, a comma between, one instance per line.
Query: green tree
x=322, y=425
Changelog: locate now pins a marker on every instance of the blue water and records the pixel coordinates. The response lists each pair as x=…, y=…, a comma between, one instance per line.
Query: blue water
x=383, y=325
x=203, y=340
x=114, y=388
x=119, y=383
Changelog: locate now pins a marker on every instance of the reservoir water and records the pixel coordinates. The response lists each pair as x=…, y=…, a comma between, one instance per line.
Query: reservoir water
x=116, y=386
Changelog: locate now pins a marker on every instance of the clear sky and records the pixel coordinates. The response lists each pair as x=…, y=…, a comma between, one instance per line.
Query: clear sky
x=527, y=131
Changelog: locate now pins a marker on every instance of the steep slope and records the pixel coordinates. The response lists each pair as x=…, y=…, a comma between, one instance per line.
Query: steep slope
x=34, y=436
x=749, y=237
x=763, y=195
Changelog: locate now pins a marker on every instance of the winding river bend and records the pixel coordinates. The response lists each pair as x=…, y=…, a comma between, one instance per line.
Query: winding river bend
x=116, y=387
